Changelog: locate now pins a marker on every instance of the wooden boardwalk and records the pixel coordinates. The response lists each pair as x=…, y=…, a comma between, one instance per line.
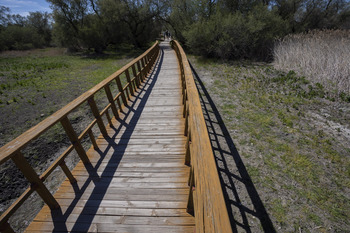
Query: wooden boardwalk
x=137, y=180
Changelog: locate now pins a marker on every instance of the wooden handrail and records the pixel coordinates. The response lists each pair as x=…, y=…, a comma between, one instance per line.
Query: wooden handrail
x=206, y=199
x=21, y=141
x=12, y=150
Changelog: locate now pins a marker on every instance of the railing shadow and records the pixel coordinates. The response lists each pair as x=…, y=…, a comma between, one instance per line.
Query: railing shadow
x=84, y=219
x=241, y=196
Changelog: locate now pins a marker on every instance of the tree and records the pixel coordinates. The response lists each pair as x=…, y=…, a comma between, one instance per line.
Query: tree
x=92, y=23
x=305, y=15
x=41, y=22
x=137, y=18
x=4, y=13
x=19, y=32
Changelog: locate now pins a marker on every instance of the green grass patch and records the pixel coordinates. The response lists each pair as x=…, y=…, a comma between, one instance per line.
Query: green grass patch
x=41, y=82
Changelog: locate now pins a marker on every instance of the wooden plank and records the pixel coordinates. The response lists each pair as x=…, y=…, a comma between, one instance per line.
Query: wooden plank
x=126, y=204
x=139, y=148
x=88, y=188
x=137, y=185
x=111, y=227
x=141, y=133
x=142, y=156
x=113, y=211
x=121, y=197
x=132, y=174
x=127, y=220
x=146, y=141
x=135, y=169
x=111, y=179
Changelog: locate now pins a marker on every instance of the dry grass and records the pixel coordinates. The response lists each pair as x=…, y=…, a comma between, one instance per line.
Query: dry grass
x=322, y=56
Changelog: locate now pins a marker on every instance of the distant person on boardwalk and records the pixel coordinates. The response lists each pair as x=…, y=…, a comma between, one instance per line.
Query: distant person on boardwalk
x=166, y=35
x=169, y=35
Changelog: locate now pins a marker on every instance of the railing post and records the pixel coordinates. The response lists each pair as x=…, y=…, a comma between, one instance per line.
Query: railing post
x=111, y=101
x=96, y=114
x=120, y=88
x=34, y=180
x=67, y=126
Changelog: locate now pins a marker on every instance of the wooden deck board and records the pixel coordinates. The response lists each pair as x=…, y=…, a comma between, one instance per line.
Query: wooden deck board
x=137, y=180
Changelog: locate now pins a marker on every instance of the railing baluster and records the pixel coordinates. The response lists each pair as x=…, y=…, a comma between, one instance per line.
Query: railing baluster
x=186, y=121
x=188, y=149
x=145, y=59
x=185, y=103
x=67, y=126
x=34, y=180
x=139, y=70
x=111, y=101
x=190, y=206
x=120, y=88
x=135, y=75
x=119, y=104
x=129, y=81
x=109, y=118
x=96, y=114
x=144, y=73
x=127, y=93
x=93, y=140
x=68, y=173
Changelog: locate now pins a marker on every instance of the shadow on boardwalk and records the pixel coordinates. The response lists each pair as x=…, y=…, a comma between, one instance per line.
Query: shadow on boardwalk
x=89, y=210
x=242, y=199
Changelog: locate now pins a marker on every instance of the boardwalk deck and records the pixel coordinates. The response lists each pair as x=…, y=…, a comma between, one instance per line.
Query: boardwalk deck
x=137, y=180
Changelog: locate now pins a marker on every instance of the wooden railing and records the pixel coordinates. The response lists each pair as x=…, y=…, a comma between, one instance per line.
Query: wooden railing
x=206, y=199
x=135, y=72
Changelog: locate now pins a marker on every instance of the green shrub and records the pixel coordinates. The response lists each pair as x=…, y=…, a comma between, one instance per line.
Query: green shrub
x=236, y=35
x=15, y=37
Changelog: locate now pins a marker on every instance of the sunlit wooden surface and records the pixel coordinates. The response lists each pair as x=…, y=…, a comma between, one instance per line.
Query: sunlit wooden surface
x=137, y=180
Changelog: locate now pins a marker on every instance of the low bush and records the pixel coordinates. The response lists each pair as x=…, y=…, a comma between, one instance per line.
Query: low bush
x=15, y=37
x=236, y=35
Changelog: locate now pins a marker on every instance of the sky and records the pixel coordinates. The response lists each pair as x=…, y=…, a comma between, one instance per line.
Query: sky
x=23, y=7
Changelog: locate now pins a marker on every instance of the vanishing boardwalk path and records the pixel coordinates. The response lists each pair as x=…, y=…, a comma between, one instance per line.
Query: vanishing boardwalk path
x=137, y=180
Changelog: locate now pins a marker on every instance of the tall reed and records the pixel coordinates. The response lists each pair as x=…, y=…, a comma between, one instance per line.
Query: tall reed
x=323, y=56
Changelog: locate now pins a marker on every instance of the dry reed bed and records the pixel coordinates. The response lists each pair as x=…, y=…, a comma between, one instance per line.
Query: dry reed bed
x=322, y=56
